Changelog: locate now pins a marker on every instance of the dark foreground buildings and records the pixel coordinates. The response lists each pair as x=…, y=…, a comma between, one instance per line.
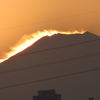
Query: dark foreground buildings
x=47, y=95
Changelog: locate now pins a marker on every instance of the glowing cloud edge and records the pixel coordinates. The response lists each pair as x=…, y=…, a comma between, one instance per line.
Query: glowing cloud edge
x=28, y=40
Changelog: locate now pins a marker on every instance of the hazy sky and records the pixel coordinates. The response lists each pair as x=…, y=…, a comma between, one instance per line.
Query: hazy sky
x=20, y=17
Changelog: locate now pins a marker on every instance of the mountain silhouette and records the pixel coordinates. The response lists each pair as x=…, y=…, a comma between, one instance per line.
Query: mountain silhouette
x=39, y=56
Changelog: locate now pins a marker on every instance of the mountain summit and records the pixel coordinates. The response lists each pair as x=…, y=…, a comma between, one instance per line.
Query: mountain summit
x=51, y=57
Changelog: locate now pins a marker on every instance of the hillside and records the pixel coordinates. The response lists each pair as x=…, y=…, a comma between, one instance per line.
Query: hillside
x=35, y=55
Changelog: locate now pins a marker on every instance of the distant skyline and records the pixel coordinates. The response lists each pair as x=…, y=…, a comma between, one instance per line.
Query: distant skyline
x=26, y=12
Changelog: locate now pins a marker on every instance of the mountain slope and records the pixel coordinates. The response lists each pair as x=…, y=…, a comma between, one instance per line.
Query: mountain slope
x=78, y=82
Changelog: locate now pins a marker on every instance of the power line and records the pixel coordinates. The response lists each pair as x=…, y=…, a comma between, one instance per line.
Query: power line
x=96, y=11
x=51, y=63
x=51, y=78
x=60, y=47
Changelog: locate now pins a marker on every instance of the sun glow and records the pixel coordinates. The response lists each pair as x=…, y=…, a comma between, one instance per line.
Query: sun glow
x=28, y=40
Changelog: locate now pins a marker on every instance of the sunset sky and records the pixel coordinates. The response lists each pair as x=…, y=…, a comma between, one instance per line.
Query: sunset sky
x=19, y=18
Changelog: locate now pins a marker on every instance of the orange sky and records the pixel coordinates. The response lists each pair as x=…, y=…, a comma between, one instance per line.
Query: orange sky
x=16, y=13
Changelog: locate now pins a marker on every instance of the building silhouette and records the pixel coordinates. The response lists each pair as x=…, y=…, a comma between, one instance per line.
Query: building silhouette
x=91, y=98
x=47, y=95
